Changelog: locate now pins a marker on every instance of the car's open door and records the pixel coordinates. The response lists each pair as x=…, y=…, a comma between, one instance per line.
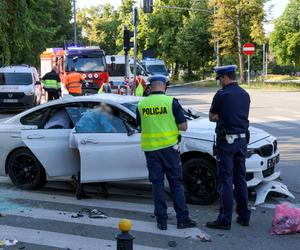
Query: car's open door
x=51, y=148
x=107, y=151
x=110, y=157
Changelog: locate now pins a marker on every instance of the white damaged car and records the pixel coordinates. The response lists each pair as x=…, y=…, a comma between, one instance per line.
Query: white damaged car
x=33, y=149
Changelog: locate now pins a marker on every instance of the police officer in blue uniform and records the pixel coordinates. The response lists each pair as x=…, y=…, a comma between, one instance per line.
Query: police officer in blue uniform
x=161, y=117
x=230, y=110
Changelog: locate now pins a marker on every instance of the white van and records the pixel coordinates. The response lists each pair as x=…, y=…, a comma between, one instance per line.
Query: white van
x=116, y=72
x=155, y=66
x=20, y=87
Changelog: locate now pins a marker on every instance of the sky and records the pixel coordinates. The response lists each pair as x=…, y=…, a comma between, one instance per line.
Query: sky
x=274, y=8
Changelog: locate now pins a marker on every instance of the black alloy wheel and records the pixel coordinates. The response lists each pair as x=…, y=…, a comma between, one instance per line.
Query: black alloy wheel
x=200, y=181
x=25, y=171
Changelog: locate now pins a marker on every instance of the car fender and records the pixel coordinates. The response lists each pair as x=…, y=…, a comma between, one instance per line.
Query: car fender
x=263, y=189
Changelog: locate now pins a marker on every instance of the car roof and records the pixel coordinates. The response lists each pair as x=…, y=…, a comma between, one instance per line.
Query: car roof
x=119, y=59
x=16, y=69
x=153, y=62
x=107, y=98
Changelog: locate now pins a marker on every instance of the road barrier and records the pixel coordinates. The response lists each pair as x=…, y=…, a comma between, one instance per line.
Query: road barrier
x=124, y=239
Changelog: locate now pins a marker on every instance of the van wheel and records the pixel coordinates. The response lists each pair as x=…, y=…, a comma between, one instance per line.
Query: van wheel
x=200, y=181
x=25, y=171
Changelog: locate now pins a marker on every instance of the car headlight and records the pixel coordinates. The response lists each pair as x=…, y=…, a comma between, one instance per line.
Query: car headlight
x=29, y=93
x=90, y=76
x=84, y=75
x=250, y=152
x=96, y=76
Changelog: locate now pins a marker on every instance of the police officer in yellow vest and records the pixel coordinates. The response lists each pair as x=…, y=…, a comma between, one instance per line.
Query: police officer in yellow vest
x=51, y=84
x=161, y=117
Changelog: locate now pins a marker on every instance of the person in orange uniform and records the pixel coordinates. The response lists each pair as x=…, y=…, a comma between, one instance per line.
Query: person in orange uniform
x=73, y=83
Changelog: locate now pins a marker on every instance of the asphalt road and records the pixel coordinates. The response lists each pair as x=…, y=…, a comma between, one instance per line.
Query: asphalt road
x=43, y=219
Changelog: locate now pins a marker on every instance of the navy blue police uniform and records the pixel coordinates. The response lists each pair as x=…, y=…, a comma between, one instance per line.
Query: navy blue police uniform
x=166, y=161
x=231, y=104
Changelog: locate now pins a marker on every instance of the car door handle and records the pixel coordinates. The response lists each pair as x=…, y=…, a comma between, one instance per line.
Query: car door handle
x=86, y=141
x=35, y=137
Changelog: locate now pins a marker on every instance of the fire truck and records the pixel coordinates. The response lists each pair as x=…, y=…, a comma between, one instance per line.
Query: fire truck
x=88, y=61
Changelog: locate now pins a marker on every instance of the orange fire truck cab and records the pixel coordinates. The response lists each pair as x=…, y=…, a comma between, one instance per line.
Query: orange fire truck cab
x=88, y=61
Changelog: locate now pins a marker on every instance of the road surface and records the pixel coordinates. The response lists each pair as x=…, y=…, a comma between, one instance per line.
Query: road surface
x=43, y=219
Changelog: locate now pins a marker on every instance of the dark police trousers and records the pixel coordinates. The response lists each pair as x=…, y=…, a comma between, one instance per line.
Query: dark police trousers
x=231, y=169
x=166, y=162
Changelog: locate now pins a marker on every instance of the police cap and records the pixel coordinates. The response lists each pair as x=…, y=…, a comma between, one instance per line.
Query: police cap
x=220, y=71
x=158, y=78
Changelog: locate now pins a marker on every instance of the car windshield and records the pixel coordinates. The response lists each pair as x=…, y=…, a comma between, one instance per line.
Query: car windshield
x=189, y=114
x=87, y=63
x=132, y=106
x=117, y=70
x=157, y=68
x=15, y=78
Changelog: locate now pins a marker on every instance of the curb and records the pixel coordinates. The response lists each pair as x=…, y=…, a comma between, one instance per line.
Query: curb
x=185, y=84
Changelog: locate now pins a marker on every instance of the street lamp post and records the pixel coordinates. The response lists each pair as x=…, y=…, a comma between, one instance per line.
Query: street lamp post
x=75, y=25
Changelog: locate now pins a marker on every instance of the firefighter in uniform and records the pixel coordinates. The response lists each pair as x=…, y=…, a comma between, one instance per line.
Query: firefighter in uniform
x=73, y=82
x=161, y=117
x=230, y=110
x=51, y=84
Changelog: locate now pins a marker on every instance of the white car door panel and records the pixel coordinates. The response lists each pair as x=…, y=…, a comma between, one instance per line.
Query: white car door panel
x=110, y=157
x=51, y=147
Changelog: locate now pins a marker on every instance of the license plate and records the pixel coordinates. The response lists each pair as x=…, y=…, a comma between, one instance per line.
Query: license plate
x=10, y=100
x=273, y=161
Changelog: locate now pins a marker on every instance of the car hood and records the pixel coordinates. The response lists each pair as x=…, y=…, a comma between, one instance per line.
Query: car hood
x=203, y=129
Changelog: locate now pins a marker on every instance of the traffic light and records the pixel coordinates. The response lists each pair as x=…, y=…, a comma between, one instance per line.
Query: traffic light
x=127, y=37
x=148, y=6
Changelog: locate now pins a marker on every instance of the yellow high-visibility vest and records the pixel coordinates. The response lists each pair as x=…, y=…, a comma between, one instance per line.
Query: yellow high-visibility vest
x=159, y=128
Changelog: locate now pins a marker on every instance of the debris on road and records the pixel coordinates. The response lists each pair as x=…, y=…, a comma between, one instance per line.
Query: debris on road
x=8, y=243
x=286, y=220
x=94, y=213
x=204, y=237
x=77, y=215
x=172, y=243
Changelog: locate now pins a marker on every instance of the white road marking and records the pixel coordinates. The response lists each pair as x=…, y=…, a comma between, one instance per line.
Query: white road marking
x=284, y=119
x=60, y=240
x=37, y=196
x=270, y=124
x=110, y=222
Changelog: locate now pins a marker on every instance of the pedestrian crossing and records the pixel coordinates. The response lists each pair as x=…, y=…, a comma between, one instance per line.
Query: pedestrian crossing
x=36, y=217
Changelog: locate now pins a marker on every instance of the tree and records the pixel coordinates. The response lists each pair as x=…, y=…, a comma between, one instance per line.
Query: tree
x=27, y=27
x=235, y=22
x=193, y=39
x=100, y=26
x=285, y=39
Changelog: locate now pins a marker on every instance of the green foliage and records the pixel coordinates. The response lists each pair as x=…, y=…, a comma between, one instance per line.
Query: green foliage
x=285, y=39
x=27, y=27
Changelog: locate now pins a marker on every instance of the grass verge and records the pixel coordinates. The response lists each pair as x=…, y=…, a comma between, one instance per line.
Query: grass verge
x=286, y=86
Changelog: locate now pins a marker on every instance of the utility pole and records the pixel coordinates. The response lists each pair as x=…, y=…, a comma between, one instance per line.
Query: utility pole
x=135, y=23
x=217, y=43
x=75, y=24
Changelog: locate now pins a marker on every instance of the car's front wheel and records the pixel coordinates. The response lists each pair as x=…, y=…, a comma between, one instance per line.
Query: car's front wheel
x=25, y=171
x=200, y=181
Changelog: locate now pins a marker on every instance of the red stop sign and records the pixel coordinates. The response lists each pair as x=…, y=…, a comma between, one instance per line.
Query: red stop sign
x=248, y=49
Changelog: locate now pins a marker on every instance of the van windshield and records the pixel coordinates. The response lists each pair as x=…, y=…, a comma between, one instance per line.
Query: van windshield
x=117, y=70
x=157, y=68
x=86, y=63
x=15, y=78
